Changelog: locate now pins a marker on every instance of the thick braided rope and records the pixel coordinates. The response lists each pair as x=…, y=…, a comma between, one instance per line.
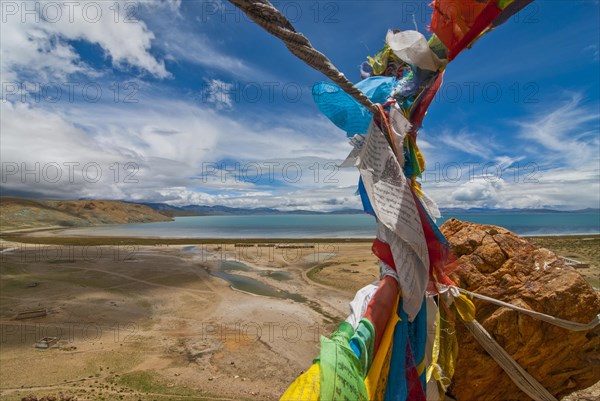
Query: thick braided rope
x=518, y=375
x=565, y=324
x=268, y=17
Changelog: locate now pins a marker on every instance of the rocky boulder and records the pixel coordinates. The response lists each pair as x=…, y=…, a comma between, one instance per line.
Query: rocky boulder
x=495, y=262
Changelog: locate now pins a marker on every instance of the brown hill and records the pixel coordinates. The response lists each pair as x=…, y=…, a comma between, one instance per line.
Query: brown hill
x=21, y=214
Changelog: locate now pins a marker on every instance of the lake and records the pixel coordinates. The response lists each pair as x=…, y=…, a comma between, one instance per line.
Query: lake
x=334, y=226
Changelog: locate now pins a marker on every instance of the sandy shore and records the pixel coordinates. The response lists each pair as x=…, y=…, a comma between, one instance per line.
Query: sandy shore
x=153, y=322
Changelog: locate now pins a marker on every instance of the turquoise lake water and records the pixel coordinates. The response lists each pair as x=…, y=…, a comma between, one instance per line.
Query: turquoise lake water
x=334, y=226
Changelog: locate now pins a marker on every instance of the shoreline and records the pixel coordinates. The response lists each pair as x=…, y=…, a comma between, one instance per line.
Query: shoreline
x=84, y=240
x=55, y=234
x=580, y=251
x=66, y=233
x=56, y=240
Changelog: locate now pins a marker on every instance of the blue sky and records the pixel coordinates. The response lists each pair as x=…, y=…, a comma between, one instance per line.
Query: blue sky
x=190, y=103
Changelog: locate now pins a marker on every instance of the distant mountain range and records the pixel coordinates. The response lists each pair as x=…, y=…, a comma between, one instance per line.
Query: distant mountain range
x=202, y=210
x=28, y=214
x=23, y=213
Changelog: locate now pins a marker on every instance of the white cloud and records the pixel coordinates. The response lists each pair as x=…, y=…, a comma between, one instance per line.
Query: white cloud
x=568, y=134
x=553, y=162
x=37, y=43
x=186, y=40
x=168, y=145
x=504, y=162
x=174, y=142
x=477, y=191
x=522, y=186
x=592, y=50
x=196, y=48
x=467, y=142
x=218, y=92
